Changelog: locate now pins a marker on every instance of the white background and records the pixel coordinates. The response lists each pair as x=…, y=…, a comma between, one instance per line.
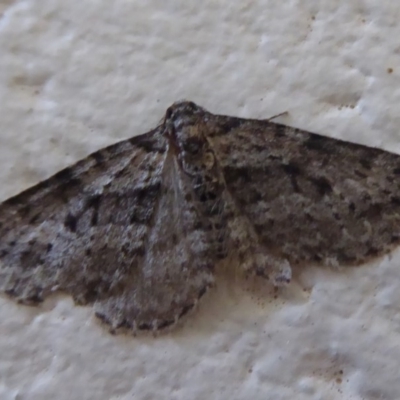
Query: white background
x=76, y=76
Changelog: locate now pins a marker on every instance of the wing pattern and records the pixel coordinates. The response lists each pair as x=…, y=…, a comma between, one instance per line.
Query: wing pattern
x=137, y=228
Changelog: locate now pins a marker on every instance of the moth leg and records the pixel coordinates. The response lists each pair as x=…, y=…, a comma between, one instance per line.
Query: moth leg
x=278, y=115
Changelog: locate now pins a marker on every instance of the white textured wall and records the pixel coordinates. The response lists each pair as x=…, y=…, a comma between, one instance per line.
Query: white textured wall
x=75, y=76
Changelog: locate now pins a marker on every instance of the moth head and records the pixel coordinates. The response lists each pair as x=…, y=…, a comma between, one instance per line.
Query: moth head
x=186, y=130
x=184, y=112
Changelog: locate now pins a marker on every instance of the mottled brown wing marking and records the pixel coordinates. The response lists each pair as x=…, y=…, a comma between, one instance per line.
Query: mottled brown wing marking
x=309, y=197
x=119, y=229
x=176, y=268
x=51, y=234
x=138, y=227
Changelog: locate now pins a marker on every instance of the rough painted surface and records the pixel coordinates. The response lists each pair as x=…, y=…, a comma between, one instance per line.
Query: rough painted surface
x=75, y=78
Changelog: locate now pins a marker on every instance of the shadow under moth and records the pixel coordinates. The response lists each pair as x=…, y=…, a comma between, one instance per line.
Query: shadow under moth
x=138, y=228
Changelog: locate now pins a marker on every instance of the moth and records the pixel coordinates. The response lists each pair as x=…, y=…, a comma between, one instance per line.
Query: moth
x=138, y=228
